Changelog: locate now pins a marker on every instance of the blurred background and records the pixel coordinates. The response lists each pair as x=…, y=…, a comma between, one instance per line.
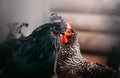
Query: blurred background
x=98, y=26
x=97, y=23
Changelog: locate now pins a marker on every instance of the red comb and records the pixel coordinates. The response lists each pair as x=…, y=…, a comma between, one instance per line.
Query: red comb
x=69, y=25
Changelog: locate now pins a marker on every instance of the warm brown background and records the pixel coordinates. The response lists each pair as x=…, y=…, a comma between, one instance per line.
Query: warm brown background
x=97, y=23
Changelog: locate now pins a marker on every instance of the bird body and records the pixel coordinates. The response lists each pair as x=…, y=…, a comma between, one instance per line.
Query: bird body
x=33, y=56
x=71, y=64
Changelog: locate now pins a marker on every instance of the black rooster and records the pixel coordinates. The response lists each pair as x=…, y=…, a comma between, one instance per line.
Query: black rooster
x=71, y=64
x=33, y=56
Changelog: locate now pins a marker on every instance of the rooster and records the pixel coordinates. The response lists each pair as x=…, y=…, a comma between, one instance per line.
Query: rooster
x=34, y=56
x=71, y=63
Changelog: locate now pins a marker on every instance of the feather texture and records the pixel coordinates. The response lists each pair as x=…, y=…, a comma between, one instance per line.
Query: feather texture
x=71, y=64
x=32, y=56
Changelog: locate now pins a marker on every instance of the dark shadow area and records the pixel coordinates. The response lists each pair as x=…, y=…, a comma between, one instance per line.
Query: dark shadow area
x=114, y=56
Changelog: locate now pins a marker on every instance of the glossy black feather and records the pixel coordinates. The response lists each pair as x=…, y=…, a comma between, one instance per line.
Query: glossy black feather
x=34, y=56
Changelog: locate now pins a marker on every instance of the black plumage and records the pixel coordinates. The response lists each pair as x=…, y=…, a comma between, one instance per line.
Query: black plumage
x=9, y=45
x=32, y=56
x=113, y=57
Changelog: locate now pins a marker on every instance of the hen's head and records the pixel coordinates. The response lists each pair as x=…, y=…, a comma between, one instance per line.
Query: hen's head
x=70, y=35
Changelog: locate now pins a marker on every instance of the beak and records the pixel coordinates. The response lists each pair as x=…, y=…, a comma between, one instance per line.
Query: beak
x=62, y=33
x=63, y=30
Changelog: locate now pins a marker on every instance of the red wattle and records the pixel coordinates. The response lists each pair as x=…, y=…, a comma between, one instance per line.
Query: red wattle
x=64, y=39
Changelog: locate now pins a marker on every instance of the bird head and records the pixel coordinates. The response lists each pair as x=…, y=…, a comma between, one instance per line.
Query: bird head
x=59, y=21
x=69, y=35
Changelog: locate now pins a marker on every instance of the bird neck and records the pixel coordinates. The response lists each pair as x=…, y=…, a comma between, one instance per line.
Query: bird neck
x=76, y=53
x=70, y=54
